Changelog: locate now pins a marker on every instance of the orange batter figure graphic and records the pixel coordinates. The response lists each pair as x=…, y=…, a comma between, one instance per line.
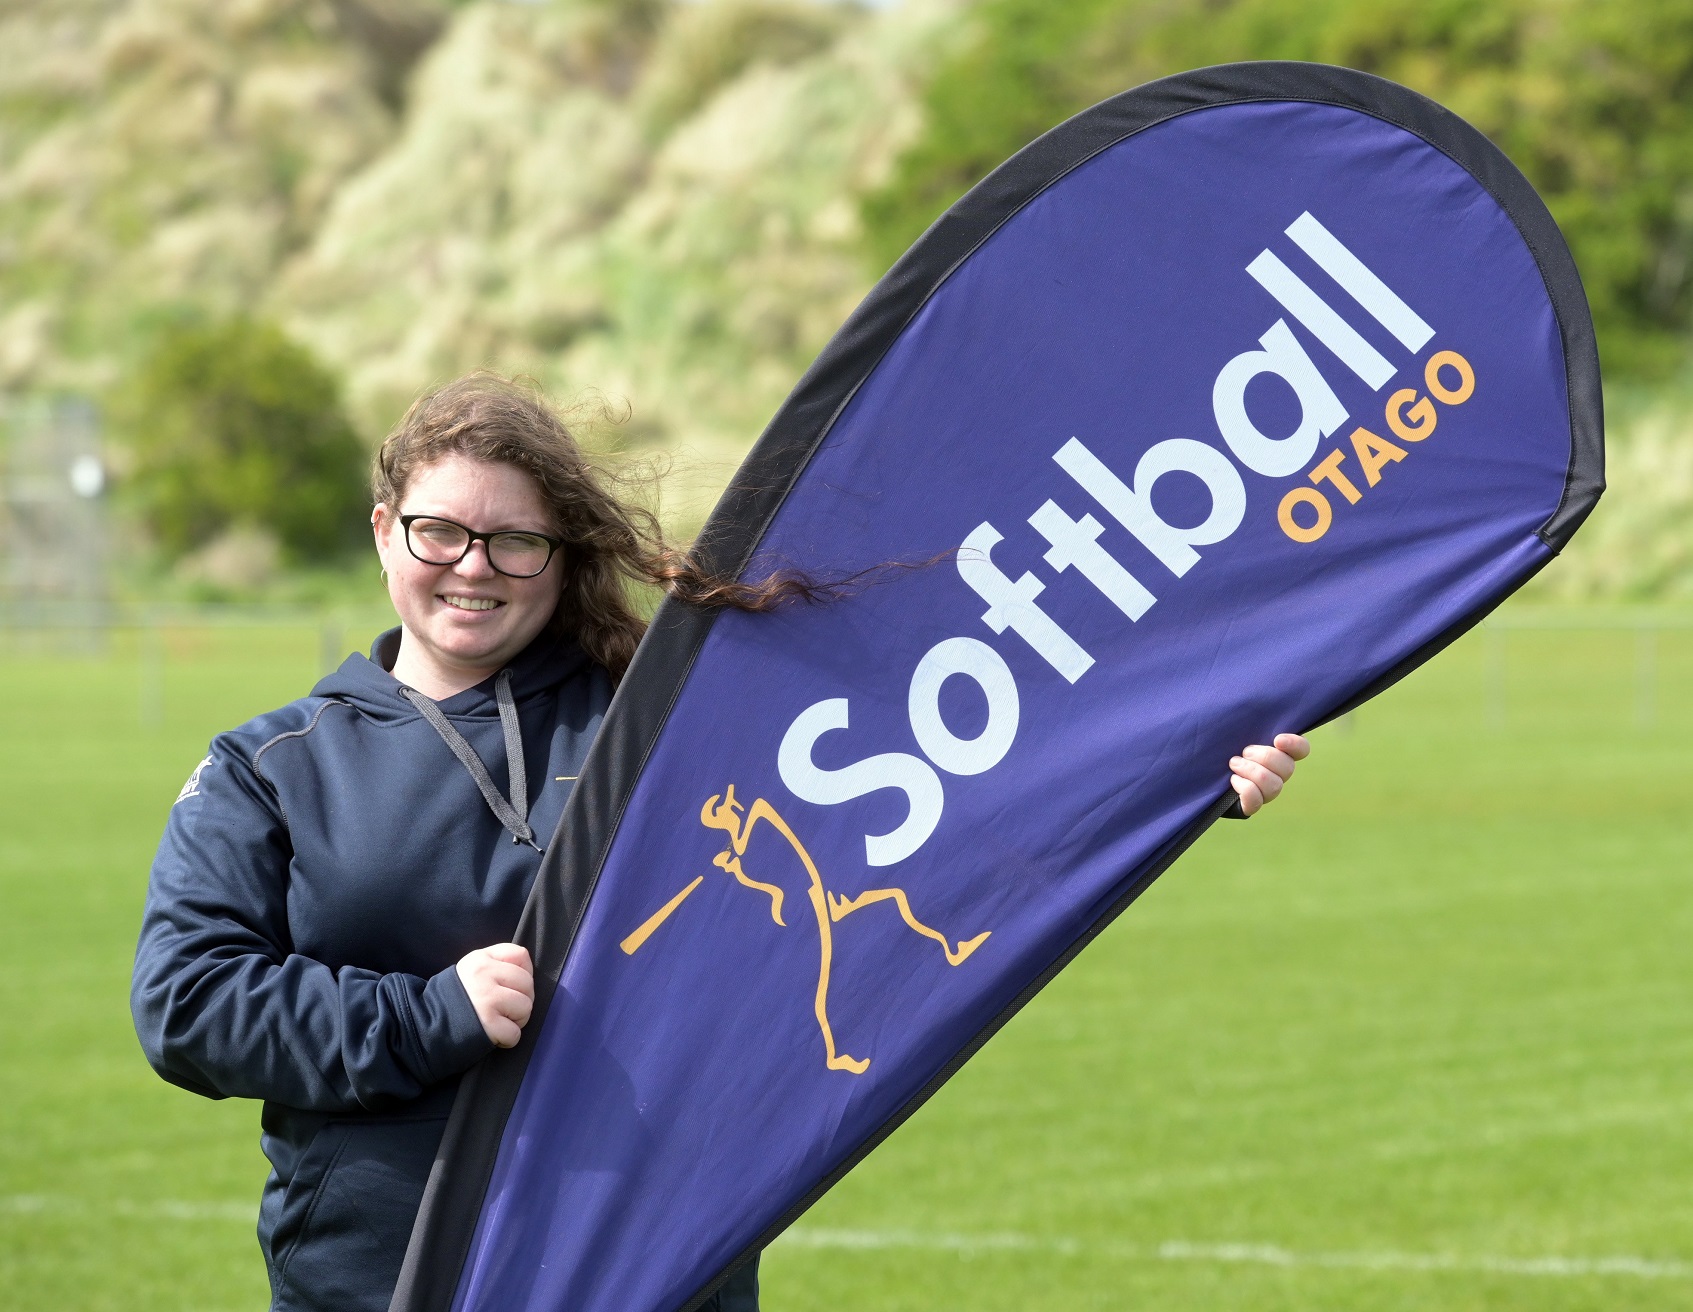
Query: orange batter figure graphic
x=726, y=813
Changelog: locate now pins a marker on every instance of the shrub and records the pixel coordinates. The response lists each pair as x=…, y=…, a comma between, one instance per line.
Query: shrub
x=232, y=424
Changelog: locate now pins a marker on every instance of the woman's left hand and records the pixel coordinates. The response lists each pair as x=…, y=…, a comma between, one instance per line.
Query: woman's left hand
x=1259, y=772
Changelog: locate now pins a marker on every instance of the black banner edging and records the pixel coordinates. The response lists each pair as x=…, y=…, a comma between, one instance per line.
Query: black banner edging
x=464, y=1166
x=464, y=1163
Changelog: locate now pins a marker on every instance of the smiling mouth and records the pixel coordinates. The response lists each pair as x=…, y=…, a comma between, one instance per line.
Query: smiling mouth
x=470, y=603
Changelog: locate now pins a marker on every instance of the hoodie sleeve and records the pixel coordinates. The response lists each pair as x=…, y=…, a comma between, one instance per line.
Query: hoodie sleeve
x=225, y=1008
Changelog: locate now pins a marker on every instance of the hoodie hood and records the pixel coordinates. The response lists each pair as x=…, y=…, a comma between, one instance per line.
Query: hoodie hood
x=364, y=682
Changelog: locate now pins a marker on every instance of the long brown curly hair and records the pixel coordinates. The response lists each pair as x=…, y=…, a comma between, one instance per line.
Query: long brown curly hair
x=611, y=543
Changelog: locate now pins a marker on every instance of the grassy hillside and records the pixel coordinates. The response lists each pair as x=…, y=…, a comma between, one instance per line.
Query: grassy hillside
x=652, y=207
x=663, y=209
x=663, y=212
x=626, y=194
x=157, y=158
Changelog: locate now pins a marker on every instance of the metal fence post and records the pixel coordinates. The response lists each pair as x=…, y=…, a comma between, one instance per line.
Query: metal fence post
x=1645, y=675
x=152, y=676
x=1493, y=677
x=330, y=639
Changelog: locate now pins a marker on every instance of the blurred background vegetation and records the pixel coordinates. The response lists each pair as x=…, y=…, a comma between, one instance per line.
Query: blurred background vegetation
x=1421, y=1043
x=245, y=233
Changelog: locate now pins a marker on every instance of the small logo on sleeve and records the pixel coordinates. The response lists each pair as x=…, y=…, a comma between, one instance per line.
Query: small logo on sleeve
x=192, y=787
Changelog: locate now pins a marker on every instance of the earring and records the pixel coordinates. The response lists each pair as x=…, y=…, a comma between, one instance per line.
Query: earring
x=384, y=576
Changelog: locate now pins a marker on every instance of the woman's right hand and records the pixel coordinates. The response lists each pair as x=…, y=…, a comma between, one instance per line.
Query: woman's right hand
x=501, y=983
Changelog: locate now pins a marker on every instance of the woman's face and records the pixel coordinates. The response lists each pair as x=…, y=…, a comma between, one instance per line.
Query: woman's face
x=465, y=621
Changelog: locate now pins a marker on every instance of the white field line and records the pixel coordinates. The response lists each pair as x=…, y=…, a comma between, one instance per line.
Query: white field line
x=1176, y=1250
x=161, y=1209
x=970, y=1245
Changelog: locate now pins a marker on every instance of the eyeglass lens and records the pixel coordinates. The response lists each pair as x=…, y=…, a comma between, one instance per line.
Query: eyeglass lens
x=441, y=542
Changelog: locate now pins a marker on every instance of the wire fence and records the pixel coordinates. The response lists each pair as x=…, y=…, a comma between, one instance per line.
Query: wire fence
x=1649, y=631
x=176, y=639
x=1522, y=650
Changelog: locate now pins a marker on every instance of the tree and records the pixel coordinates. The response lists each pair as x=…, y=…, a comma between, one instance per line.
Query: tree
x=1594, y=102
x=232, y=424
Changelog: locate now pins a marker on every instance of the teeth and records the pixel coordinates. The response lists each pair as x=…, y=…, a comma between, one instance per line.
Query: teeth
x=470, y=603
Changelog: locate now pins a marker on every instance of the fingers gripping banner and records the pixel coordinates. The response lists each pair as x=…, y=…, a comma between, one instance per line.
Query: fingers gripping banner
x=1217, y=409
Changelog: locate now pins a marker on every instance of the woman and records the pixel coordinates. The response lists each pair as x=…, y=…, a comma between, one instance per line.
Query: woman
x=326, y=926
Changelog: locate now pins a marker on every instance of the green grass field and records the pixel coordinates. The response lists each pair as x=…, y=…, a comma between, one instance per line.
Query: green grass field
x=1419, y=1037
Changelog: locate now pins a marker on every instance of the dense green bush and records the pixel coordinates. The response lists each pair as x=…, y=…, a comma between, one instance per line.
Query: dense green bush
x=233, y=425
x=1593, y=101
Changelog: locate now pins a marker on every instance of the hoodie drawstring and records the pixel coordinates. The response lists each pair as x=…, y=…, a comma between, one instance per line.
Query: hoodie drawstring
x=511, y=814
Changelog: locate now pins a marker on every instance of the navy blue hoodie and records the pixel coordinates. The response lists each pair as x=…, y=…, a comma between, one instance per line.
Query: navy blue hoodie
x=321, y=874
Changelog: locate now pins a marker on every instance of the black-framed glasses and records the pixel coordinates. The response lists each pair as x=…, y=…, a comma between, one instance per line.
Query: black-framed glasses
x=513, y=552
